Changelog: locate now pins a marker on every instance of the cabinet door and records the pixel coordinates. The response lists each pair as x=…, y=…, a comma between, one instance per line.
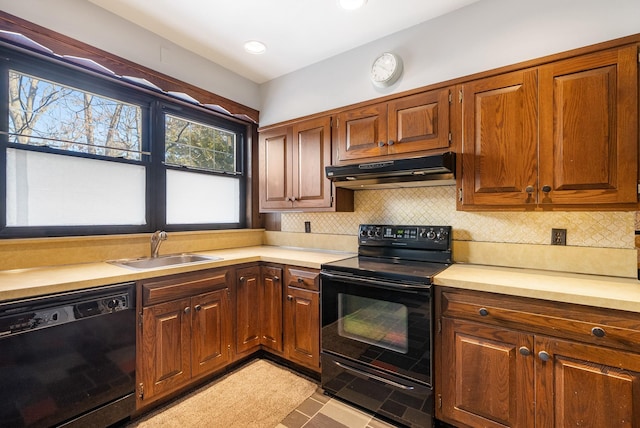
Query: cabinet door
x=361, y=133
x=303, y=327
x=419, y=122
x=271, y=308
x=311, y=152
x=211, y=332
x=490, y=376
x=166, y=347
x=247, y=309
x=500, y=140
x=584, y=385
x=589, y=128
x=275, y=175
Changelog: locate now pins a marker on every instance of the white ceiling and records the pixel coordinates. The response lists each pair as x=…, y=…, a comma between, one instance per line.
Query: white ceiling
x=297, y=33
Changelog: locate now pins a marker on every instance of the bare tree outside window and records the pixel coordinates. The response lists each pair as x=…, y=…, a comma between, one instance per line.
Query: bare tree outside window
x=44, y=113
x=199, y=146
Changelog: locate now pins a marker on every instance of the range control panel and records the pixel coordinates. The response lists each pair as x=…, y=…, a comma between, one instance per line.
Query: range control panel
x=418, y=237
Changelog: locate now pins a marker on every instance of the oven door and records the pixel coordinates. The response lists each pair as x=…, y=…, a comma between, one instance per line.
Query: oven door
x=381, y=324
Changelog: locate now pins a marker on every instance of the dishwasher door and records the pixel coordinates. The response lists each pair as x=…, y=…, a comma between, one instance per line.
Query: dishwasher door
x=68, y=358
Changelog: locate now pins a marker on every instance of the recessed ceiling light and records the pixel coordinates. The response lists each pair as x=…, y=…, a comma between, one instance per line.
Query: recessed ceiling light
x=255, y=47
x=351, y=4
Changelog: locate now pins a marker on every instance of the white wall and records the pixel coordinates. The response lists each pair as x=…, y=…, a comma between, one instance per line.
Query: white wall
x=87, y=22
x=482, y=36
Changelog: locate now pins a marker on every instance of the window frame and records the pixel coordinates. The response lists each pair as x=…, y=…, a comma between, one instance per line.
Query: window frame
x=153, y=105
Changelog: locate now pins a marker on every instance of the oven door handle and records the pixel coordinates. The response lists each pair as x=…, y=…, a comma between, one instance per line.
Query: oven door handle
x=372, y=376
x=374, y=282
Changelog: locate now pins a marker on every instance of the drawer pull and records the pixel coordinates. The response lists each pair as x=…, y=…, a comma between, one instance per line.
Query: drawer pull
x=598, y=332
x=483, y=312
x=544, y=355
x=300, y=280
x=524, y=351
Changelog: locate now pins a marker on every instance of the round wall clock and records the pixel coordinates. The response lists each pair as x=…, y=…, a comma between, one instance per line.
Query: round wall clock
x=386, y=69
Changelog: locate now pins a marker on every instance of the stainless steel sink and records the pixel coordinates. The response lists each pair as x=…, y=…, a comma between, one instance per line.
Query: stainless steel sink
x=163, y=261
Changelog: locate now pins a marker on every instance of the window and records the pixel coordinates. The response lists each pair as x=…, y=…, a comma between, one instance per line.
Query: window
x=202, y=172
x=82, y=154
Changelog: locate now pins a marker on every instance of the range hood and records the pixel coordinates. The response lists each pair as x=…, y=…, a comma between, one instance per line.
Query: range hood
x=434, y=170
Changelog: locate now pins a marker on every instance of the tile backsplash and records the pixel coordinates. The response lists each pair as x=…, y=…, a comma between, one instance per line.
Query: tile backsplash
x=437, y=205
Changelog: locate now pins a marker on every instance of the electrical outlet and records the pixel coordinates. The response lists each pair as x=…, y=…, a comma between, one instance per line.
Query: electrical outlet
x=558, y=236
x=307, y=227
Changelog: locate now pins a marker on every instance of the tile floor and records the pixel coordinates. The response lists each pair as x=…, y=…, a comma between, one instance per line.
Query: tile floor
x=321, y=411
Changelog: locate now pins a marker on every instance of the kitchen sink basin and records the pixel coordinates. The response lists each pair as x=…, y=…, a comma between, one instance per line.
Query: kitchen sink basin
x=163, y=261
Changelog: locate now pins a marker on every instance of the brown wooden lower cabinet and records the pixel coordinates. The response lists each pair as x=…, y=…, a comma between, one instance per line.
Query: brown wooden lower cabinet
x=185, y=331
x=187, y=323
x=302, y=317
x=514, y=362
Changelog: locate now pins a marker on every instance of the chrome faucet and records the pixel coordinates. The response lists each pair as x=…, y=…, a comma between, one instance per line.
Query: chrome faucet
x=156, y=239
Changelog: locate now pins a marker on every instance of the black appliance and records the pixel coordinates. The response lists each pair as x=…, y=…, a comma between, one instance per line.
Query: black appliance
x=68, y=359
x=376, y=321
x=429, y=170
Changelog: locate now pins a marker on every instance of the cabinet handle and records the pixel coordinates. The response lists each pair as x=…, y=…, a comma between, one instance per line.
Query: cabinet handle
x=300, y=281
x=529, y=190
x=546, y=189
x=544, y=355
x=276, y=278
x=391, y=142
x=483, y=312
x=289, y=297
x=242, y=279
x=293, y=199
x=187, y=310
x=381, y=144
x=598, y=332
x=197, y=308
x=524, y=351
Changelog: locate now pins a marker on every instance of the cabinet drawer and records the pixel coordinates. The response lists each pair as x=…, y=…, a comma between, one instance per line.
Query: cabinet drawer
x=617, y=329
x=167, y=288
x=308, y=279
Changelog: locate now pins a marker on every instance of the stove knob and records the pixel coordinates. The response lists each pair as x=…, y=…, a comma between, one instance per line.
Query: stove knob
x=431, y=234
x=113, y=303
x=363, y=232
x=377, y=233
x=442, y=235
x=370, y=233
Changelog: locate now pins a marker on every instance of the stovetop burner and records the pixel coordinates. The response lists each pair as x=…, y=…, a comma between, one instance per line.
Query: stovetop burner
x=398, y=253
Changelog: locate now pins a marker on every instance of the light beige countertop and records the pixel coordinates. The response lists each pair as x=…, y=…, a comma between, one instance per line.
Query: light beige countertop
x=22, y=283
x=592, y=290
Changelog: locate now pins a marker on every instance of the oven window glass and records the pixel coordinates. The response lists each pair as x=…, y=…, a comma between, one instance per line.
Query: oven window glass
x=372, y=321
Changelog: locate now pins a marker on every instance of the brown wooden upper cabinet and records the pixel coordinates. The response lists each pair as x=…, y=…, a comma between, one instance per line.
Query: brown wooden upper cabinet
x=562, y=134
x=292, y=174
x=397, y=128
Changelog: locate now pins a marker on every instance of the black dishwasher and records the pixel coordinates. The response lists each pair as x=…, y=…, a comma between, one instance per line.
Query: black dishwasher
x=68, y=359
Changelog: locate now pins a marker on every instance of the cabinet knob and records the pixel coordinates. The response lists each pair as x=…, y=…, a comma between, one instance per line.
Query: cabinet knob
x=276, y=278
x=529, y=189
x=544, y=355
x=289, y=297
x=524, y=351
x=391, y=142
x=293, y=199
x=380, y=143
x=546, y=189
x=242, y=279
x=197, y=308
x=187, y=310
x=300, y=280
x=598, y=332
x=483, y=312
